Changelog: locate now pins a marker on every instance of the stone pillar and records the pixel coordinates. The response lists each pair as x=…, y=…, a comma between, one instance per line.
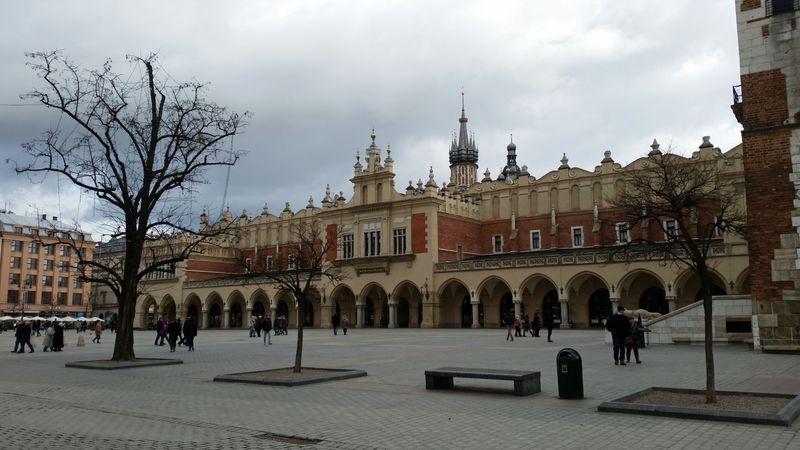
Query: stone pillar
x=359, y=316
x=430, y=314
x=392, y=311
x=273, y=311
x=226, y=317
x=248, y=313
x=614, y=304
x=671, y=301
x=204, y=322
x=476, y=315
x=517, y=304
x=325, y=315
x=564, y=313
x=413, y=312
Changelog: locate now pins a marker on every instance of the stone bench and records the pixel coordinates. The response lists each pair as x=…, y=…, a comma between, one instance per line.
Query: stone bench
x=525, y=382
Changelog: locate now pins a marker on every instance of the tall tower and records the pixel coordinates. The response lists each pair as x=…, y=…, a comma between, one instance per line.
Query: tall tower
x=768, y=107
x=463, y=155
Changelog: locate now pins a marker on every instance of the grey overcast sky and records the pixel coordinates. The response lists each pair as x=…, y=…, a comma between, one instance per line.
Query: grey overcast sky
x=574, y=77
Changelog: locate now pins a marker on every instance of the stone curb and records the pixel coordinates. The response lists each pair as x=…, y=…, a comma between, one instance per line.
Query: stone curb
x=784, y=417
x=249, y=377
x=107, y=364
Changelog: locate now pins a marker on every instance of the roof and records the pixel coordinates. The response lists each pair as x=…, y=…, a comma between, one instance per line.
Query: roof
x=8, y=218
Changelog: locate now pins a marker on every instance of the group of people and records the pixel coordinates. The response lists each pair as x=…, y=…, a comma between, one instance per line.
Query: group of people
x=262, y=325
x=53, y=336
x=527, y=325
x=336, y=322
x=626, y=334
x=176, y=333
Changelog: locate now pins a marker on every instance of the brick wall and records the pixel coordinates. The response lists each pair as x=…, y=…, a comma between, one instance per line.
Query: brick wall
x=750, y=4
x=454, y=231
x=765, y=101
x=331, y=236
x=198, y=270
x=419, y=233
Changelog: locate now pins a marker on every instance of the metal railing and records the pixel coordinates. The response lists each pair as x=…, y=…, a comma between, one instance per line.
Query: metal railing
x=737, y=94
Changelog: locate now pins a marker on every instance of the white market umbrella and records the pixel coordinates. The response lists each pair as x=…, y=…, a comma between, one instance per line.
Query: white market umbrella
x=67, y=319
x=36, y=318
x=5, y=318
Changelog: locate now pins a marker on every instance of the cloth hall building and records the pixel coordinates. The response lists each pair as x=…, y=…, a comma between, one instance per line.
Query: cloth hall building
x=463, y=254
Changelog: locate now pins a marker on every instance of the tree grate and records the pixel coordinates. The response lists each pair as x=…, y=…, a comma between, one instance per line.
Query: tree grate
x=288, y=439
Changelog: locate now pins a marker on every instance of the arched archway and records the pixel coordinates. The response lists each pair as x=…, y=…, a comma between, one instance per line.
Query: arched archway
x=260, y=303
x=539, y=294
x=506, y=310
x=408, y=301
x=688, y=287
x=550, y=304
x=345, y=303
x=215, y=316
x=192, y=308
x=580, y=290
x=599, y=307
x=237, y=316
x=653, y=299
x=148, y=312
x=455, y=309
x=168, y=309
x=492, y=292
x=376, y=306
x=285, y=309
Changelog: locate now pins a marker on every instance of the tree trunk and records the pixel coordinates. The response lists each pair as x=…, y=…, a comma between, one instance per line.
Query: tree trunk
x=711, y=393
x=123, y=345
x=298, y=355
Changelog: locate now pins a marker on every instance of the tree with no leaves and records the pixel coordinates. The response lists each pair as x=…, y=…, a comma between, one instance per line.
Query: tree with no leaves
x=692, y=202
x=300, y=267
x=139, y=143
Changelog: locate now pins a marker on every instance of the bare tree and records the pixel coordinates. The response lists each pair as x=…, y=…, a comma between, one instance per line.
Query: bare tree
x=300, y=267
x=139, y=143
x=691, y=202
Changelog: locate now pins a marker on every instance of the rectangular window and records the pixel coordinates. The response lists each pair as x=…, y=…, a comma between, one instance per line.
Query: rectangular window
x=773, y=7
x=47, y=298
x=47, y=280
x=64, y=251
x=33, y=263
x=61, y=298
x=13, y=296
x=18, y=230
x=49, y=249
x=30, y=280
x=62, y=282
x=719, y=228
x=399, y=241
x=347, y=246
x=33, y=247
x=77, y=299
x=577, y=236
x=15, y=262
x=248, y=265
x=671, y=228
x=269, y=262
x=372, y=239
x=77, y=283
x=536, y=240
x=459, y=253
x=16, y=246
x=291, y=263
x=29, y=297
x=13, y=279
x=622, y=233
x=63, y=266
x=48, y=265
x=497, y=243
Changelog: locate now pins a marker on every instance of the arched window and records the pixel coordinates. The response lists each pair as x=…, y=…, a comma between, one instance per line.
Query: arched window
x=534, y=199
x=597, y=193
x=364, y=195
x=496, y=206
x=379, y=193
x=554, y=198
x=575, y=197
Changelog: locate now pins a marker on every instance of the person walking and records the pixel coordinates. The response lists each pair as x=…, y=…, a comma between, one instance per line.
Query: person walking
x=259, y=324
x=526, y=325
x=345, y=324
x=633, y=340
x=335, y=323
x=180, y=333
x=163, y=330
x=58, y=337
x=266, y=328
x=173, y=330
x=49, y=332
x=548, y=323
x=35, y=326
x=619, y=327
x=536, y=324
x=509, y=324
x=517, y=327
x=17, y=336
x=98, y=331
x=157, y=327
x=189, y=332
x=252, y=327
x=25, y=336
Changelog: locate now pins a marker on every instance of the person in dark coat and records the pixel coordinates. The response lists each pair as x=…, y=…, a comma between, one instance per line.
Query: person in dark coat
x=266, y=327
x=173, y=330
x=58, y=337
x=189, y=332
x=536, y=324
x=620, y=328
x=335, y=323
x=548, y=323
x=633, y=341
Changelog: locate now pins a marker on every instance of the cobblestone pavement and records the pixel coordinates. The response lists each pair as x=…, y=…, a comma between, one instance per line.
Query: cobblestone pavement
x=179, y=407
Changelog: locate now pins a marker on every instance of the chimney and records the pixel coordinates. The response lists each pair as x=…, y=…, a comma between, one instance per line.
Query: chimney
x=55, y=218
x=44, y=216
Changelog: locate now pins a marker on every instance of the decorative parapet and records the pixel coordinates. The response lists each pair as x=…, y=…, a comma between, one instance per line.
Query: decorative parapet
x=568, y=257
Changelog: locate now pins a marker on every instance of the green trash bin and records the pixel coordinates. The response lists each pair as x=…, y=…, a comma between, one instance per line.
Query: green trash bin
x=570, y=374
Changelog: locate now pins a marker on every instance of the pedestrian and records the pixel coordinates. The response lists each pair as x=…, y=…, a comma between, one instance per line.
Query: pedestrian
x=335, y=322
x=98, y=331
x=26, y=338
x=259, y=324
x=345, y=324
x=536, y=324
x=58, y=337
x=189, y=332
x=36, y=328
x=49, y=332
x=252, y=327
x=509, y=323
x=163, y=331
x=266, y=327
x=517, y=327
x=180, y=333
x=619, y=327
x=548, y=323
x=526, y=325
x=173, y=330
x=18, y=340
x=157, y=327
x=633, y=340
